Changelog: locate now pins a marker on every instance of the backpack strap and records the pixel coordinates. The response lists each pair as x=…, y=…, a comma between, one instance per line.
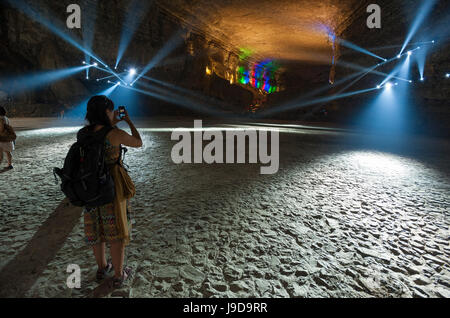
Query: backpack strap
x=100, y=136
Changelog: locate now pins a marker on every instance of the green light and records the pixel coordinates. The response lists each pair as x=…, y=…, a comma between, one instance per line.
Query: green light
x=244, y=53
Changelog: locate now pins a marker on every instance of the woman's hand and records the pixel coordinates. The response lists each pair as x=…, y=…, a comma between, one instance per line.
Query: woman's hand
x=116, y=118
x=126, y=118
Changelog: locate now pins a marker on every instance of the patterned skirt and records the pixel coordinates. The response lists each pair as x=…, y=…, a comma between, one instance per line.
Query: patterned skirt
x=100, y=224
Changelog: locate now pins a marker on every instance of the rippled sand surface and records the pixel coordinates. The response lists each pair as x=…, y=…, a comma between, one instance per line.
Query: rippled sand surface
x=343, y=217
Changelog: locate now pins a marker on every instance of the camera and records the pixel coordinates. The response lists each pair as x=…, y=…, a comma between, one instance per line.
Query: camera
x=121, y=112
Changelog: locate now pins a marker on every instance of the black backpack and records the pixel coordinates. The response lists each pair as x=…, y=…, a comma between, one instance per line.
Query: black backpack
x=86, y=180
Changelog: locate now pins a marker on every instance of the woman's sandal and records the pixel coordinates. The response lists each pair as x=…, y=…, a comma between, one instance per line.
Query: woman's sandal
x=101, y=273
x=118, y=282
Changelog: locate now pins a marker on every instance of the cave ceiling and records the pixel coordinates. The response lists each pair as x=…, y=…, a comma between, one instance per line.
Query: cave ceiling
x=283, y=30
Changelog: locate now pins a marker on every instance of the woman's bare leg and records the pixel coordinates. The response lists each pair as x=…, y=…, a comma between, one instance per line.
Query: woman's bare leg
x=9, y=157
x=100, y=257
x=117, y=254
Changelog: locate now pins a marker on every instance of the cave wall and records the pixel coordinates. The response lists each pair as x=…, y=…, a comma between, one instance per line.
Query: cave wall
x=28, y=47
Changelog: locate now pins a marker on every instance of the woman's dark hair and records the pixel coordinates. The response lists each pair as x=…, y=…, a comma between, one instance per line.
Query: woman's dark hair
x=2, y=111
x=96, y=110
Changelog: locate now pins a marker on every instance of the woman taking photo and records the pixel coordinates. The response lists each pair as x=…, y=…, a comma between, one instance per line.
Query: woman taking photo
x=110, y=223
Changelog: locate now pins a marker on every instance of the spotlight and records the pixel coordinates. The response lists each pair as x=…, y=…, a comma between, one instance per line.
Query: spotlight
x=422, y=79
x=410, y=81
x=132, y=71
x=95, y=64
x=378, y=86
x=399, y=56
x=109, y=81
x=388, y=85
x=447, y=75
x=396, y=84
x=131, y=84
x=84, y=62
x=432, y=41
x=418, y=47
x=118, y=83
x=409, y=53
x=87, y=77
x=97, y=80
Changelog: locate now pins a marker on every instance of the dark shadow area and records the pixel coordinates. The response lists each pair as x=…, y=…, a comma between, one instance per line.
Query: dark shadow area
x=19, y=275
x=4, y=170
x=102, y=290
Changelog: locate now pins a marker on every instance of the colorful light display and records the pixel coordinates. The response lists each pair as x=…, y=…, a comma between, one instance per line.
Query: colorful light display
x=260, y=76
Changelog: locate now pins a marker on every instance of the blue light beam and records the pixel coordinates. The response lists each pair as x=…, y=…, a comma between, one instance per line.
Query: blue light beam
x=423, y=11
x=136, y=11
x=88, y=29
x=171, y=45
x=32, y=81
x=359, y=49
x=316, y=101
x=51, y=26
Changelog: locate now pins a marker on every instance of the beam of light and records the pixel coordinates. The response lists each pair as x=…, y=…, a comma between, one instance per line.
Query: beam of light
x=364, y=69
x=51, y=26
x=32, y=81
x=421, y=58
x=393, y=110
x=130, y=76
x=322, y=89
x=399, y=69
x=109, y=76
x=388, y=47
x=315, y=101
x=180, y=100
x=342, y=90
x=423, y=11
x=359, y=49
x=407, y=54
x=109, y=71
x=109, y=91
x=179, y=90
x=355, y=81
x=171, y=45
x=88, y=29
x=405, y=68
x=136, y=11
x=181, y=93
x=79, y=110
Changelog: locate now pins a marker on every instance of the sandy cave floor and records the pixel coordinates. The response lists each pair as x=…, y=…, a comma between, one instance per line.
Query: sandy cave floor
x=339, y=219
